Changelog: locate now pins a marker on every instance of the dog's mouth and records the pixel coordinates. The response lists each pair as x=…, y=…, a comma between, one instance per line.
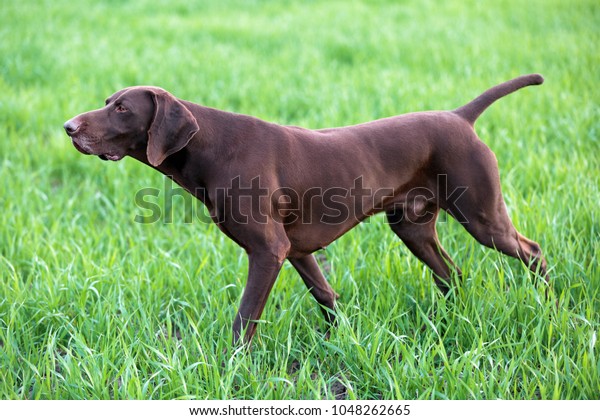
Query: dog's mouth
x=79, y=148
x=104, y=156
x=114, y=158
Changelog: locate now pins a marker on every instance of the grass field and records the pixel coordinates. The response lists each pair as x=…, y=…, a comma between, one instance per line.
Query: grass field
x=95, y=305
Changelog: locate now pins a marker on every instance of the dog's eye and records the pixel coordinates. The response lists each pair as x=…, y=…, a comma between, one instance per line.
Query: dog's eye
x=120, y=109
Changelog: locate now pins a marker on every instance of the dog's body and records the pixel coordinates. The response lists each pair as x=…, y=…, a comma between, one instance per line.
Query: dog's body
x=283, y=192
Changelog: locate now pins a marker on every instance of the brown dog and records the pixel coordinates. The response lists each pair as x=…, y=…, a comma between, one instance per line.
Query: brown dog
x=284, y=192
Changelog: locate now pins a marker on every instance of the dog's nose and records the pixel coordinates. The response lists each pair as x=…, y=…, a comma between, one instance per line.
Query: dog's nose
x=71, y=127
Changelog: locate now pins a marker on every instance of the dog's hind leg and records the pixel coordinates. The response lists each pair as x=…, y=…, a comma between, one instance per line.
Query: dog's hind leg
x=481, y=210
x=492, y=227
x=420, y=236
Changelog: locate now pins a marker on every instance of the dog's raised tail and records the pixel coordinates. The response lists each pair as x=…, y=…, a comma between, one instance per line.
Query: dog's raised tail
x=475, y=108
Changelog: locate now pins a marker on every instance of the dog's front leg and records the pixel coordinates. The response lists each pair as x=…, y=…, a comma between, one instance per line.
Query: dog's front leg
x=263, y=269
x=310, y=272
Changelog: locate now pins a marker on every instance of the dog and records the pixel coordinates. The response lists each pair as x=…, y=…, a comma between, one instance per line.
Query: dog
x=284, y=192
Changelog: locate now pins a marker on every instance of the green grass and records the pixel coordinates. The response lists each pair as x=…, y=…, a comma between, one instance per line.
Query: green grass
x=94, y=305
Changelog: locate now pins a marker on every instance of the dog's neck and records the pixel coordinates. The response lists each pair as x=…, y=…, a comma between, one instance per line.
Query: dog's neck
x=174, y=167
x=198, y=166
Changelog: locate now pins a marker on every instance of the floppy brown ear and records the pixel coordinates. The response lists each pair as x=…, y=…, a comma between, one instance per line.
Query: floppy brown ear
x=171, y=129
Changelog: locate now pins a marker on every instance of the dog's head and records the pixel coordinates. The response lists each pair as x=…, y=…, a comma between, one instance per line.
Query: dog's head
x=132, y=119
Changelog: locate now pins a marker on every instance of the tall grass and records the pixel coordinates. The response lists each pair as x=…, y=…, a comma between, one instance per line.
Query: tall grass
x=94, y=305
